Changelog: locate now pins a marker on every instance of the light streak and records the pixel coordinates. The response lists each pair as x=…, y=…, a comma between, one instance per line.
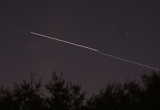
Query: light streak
x=64, y=41
x=86, y=47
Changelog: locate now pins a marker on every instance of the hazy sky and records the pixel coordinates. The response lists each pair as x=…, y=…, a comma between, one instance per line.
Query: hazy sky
x=128, y=29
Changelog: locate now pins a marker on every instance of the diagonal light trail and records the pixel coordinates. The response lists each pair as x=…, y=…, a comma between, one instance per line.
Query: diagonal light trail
x=64, y=41
x=118, y=58
x=129, y=61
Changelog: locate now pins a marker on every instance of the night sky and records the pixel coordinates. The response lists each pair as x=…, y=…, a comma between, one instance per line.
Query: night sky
x=128, y=29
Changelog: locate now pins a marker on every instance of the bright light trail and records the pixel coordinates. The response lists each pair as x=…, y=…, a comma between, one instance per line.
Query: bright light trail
x=108, y=55
x=64, y=41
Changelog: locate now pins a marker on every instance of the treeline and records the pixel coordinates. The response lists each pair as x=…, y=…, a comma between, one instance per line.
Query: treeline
x=130, y=95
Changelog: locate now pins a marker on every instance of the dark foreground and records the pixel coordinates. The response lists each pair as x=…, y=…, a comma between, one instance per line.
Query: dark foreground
x=130, y=95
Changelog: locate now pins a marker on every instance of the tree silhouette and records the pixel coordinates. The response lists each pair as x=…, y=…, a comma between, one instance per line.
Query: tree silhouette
x=151, y=91
x=64, y=96
x=77, y=97
x=117, y=96
x=6, y=99
x=130, y=95
x=24, y=96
